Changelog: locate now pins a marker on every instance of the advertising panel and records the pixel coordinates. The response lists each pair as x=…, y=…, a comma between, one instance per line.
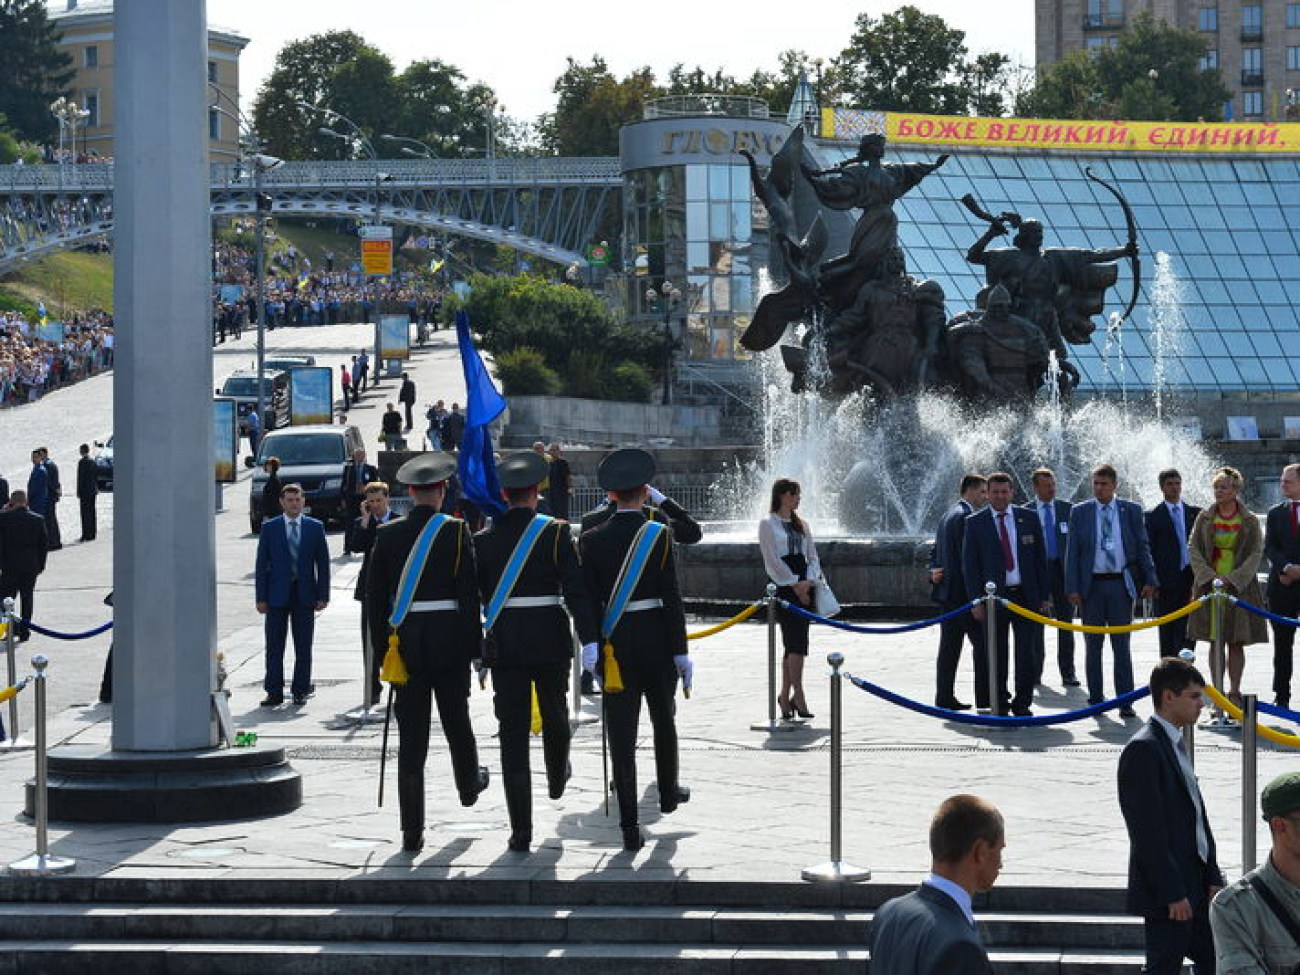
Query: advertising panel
x=394, y=337
x=310, y=399
x=377, y=250
x=225, y=439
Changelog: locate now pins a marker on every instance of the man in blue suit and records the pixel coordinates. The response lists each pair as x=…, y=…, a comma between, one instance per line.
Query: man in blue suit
x=292, y=586
x=1107, y=563
x=1054, y=516
x=931, y=931
x=1004, y=545
x=1169, y=524
x=948, y=589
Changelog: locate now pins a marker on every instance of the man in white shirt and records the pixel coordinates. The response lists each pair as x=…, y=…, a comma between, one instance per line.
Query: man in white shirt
x=1168, y=526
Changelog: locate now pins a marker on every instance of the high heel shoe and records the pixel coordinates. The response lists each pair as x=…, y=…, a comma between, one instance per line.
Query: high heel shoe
x=787, y=712
x=803, y=712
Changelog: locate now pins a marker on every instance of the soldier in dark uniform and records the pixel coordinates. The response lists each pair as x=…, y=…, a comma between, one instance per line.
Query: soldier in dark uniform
x=530, y=642
x=649, y=640
x=660, y=507
x=438, y=639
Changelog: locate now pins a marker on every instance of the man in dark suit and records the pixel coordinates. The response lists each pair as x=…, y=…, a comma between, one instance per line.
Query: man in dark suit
x=360, y=538
x=931, y=931
x=55, y=494
x=357, y=473
x=1173, y=869
x=87, y=491
x=530, y=644
x=948, y=589
x=438, y=638
x=1282, y=548
x=292, y=583
x=1169, y=524
x=4, y=492
x=23, y=544
x=648, y=640
x=406, y=396
x=1054, y=517
x=1107, y=563
x=1004, y=545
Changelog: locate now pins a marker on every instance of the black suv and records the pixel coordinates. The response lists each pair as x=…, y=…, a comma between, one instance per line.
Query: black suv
x=313, y=456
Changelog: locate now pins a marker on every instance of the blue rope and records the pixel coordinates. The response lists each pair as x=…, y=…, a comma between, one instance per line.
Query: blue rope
x=878, y=630
x=1289, y=621
x=68, y=636
x=1286, y=714
x=1125, y=700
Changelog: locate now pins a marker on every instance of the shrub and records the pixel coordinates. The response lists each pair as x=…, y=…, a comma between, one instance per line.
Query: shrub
x=524, y=372
x=632, y=382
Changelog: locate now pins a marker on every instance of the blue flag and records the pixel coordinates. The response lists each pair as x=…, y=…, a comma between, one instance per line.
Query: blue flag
x=476, y=464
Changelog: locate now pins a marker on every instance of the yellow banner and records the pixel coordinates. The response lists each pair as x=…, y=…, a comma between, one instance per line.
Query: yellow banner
x=1070, y=135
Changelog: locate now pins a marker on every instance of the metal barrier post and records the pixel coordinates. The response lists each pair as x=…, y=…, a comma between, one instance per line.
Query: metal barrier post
x=1216, y=643
x=991, y=645
x=1189, y=731
x=771, y=724
x=1248, y=782
x=41, y=862
x=366, y=713
x=836, y=869
x=10, y=639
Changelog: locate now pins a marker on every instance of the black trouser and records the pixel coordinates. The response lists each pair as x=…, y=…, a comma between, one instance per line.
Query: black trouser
x=1063, y=610
x=450, y=687
x=951, y=635
x=656, y=680
x=1029, y=668
x=410, y=421
x=52, y=532
x=512, y=701
x=88, y=519
x=1285, y=602
x=1169, y=942
x=1173, y=636
x=376, y=660
x=24, y=587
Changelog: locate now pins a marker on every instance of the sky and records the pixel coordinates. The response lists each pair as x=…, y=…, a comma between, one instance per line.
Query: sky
x=519, y=48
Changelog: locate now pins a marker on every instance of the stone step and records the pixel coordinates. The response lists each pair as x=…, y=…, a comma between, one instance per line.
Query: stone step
x=559, y=925
x=73, y=957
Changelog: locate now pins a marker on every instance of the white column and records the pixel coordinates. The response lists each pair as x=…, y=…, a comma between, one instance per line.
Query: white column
x=164, y=546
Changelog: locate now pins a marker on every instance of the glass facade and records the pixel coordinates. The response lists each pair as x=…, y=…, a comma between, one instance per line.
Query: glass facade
x=1230, y=229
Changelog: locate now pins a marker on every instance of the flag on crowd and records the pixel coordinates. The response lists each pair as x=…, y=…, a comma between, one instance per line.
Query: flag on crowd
x=40, y=310
x=436, y=264
x=476, y=464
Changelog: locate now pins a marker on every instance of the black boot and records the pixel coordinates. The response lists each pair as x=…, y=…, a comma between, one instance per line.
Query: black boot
x=519, y=804
x=410, y=804
x=633, y=838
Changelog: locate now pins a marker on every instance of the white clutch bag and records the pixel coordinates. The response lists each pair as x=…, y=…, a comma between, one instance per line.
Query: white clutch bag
x=824, y=601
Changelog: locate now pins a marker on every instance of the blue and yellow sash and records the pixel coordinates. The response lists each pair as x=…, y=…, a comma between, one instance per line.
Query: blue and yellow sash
x=515, y=565
x=634, y=563
x=393, y=669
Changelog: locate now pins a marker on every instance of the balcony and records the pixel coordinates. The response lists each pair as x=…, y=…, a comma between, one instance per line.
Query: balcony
x=1252, y=34
x=1103, y=21
x=1252, y=79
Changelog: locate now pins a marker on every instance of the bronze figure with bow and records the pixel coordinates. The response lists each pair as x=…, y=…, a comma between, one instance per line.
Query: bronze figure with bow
x=1132, y=238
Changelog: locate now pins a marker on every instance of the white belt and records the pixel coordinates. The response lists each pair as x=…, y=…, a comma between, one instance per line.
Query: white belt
x=433, y=605
x=638, y=605
x=532, y=602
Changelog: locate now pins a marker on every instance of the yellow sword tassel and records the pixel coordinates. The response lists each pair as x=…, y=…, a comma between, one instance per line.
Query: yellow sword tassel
x=612, y=682
x=393, y=669
x=535, y=722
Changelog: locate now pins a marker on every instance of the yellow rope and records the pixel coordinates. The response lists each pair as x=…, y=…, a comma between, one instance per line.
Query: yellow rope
x=740, y=617
x=9, y=692
x=1234, y=712
x=1029, y=614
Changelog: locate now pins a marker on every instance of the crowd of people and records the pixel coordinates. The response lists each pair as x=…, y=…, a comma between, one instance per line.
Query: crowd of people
x=32, y=365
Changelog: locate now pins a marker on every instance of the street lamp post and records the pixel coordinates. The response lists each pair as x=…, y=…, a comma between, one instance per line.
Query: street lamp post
x=69, y=116
x=668, y=298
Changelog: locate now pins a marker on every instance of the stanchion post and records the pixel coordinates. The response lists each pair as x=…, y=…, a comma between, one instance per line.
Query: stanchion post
x=1248, y=782
x=991, y=645
x=836, y=869
x=771, y=724
x=41, y=862
x=10, y=639
x=1189, y=730
x=1216, y=639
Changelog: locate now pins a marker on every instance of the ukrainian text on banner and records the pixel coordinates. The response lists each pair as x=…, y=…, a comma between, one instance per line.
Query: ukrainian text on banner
x=1018, y=133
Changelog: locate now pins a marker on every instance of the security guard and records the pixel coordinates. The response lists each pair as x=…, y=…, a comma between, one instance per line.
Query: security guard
x=439, y=635
x=528, y=571
x=630, y=572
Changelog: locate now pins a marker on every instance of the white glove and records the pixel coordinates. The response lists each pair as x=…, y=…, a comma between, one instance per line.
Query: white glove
x=589, y=657
x=685, y=669
x=656, y=496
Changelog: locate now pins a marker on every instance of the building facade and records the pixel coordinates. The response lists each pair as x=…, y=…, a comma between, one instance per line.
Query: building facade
x=1255, y=44
x=87, y=29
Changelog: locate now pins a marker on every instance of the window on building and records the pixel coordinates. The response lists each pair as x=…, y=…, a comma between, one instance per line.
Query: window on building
x=1293, y=58
x=92, y=56
x=91, y=104
x=214, y=125
x=1252, y=103
x=212, y=71
x=1251, y=60
x=1293, y=14
x=1252, y=21
x=1210, y=60
x=1207, y=18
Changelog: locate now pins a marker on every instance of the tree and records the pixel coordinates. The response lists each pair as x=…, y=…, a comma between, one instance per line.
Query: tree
x=440, y=109
x=906, y=61
x=592, y=106
x=35, y=71
x=1154, y=73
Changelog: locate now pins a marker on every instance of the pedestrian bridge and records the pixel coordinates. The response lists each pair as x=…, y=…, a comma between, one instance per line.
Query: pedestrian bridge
x=548, y=207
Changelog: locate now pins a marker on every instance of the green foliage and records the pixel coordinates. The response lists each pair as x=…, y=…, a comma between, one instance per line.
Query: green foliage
x=67, y=281
x=591, y=106
x=1117, y=83
x=524, y=372
x=24, y=307
x=571, y=329
x=35, y=71
x=633, y=381
x=905, y=61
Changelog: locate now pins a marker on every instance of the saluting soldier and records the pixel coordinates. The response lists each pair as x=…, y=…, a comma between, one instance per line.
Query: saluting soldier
x=528, y=571
x=630, y=573
x=430, y=601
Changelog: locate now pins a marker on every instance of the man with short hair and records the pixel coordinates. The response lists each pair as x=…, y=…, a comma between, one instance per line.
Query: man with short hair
x=1004, y=545
x=23, y=545
x=292, y=585
x=1107, y=564
x=357, y=476
x=362, y=370
x=948, y=589
x=1254, y=920
x=360, y=539
x=1173, y=867
x=87, y=491
x=55, y=495
x=560, y=478
x=406, y=396
x=453, y=428
x=1054, y=516
x=437, y=636
x=1169, y=525
x=931, y=931
x=1282, y=548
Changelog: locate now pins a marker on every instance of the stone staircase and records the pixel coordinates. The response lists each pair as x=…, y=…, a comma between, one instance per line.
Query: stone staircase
x=385, y=924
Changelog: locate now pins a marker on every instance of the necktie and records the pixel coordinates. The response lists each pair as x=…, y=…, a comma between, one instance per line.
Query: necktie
x=1180, y=527
x=1008, y=558
x=293, y=543
x=1107, y=538
x=1049, y=529
x=1189, y=775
